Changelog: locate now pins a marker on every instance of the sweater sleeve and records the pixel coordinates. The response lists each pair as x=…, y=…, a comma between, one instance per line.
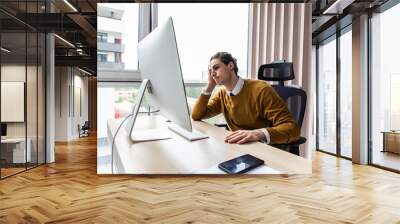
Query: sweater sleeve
x=284, y=128
x=206, y=106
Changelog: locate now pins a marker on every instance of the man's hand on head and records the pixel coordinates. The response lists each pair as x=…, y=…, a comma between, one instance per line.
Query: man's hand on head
x=211, y=82
x=245, y=136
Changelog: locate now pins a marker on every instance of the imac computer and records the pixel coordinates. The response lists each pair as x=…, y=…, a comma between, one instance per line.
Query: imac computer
x=161, y=73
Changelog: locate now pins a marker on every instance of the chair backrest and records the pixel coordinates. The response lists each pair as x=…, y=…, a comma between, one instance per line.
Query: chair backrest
x=295, y=98
x=281, y=71
x=86, y=125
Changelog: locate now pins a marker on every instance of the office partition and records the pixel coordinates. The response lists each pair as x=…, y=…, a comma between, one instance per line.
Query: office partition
x=22, y=77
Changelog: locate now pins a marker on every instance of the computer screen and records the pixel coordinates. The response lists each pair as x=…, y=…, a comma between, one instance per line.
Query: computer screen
x=159, y=62
x=3, y=129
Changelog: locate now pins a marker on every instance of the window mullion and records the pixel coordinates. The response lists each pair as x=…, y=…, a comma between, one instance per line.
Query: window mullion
x=144, y=20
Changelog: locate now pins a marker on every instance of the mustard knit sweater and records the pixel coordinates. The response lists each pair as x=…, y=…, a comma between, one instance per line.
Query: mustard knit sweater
x=257, y=105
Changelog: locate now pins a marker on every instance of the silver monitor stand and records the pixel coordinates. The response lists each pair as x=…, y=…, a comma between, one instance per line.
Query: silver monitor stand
x=157, y=133
x=147, y=134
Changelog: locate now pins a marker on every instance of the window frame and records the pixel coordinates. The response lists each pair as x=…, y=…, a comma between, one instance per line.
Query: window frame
x=334, y=37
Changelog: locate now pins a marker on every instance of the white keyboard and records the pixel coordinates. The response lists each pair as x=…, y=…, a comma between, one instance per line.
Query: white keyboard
x=150, y=134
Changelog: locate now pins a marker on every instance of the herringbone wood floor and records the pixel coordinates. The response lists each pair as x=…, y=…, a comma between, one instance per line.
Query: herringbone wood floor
x=70, y=191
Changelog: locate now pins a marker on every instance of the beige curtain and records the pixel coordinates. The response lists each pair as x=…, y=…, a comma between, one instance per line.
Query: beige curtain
x=283, y=31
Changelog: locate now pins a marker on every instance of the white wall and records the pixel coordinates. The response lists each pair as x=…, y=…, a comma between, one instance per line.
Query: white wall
x=69, y=85
x=111, y=25
x=33, y=126
x=84, y=81
x=110, y=57
x=79, y=117
x=12, y=101
x=312, y=97
x=62, y=82
x=14, y=73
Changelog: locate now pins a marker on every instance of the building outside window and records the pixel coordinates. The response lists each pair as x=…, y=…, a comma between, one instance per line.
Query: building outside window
x=109, y=37
x=118, y=26
x=101, y=57
x=101, y=37
x=117, y=57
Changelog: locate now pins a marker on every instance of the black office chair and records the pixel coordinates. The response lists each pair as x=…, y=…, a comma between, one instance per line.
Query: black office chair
x=294, y=97
x=84, y=130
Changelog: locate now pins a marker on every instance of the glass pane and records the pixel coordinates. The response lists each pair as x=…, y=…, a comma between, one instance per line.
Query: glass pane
x=385, y=84
x=13, y=86
x=31, y=98
x=41, y=98
x=193, y=91
x=327, y=97
x=346, y=94
x=113, y=101
x=199, y=36
x=32, y=86
x=117, y=36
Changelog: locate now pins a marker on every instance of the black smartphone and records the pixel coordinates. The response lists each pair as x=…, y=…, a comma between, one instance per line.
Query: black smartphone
x=240, y=164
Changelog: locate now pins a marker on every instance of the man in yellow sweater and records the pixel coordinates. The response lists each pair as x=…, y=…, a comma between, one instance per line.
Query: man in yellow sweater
x=252, y=108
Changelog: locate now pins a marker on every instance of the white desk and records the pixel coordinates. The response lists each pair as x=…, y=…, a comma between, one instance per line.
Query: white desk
x=18, y=149
x=179, y=156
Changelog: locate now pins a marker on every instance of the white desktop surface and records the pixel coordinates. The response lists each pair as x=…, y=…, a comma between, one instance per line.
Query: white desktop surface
x=180, y=156
x=19, y=148
x=12, y=140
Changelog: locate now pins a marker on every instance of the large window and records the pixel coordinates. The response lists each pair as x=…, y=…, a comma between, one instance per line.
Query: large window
x=115, y=101
x=201, y=31
x=385, y=88
x=327, y=96
x=346, y=93
x=335, y=94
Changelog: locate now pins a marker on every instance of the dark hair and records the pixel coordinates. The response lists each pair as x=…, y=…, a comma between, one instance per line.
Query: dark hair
x=225, y=58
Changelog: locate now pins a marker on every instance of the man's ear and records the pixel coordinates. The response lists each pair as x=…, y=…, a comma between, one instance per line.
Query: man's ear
x=231, y=65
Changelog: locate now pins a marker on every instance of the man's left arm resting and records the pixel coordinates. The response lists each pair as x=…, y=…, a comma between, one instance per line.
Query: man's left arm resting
x=284, y=128
x=284, y=133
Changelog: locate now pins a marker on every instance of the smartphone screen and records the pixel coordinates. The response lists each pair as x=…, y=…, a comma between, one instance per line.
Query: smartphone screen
x=241, y=164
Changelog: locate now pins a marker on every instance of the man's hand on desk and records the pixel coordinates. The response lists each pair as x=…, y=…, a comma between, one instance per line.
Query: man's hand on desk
x=245, y=136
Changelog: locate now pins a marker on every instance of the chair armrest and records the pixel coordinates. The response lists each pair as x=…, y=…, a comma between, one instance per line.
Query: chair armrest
x=222, y=125
x=300, y=141
x=292, y=147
